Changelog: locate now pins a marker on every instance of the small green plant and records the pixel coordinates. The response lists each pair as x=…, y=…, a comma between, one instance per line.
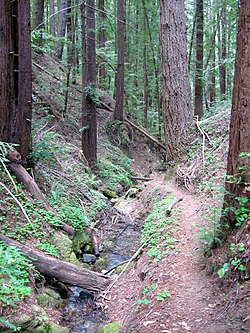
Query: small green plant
x=6, y=323
x=162, y=295
x=242, y=213
x=47, y=247
x=143, y=301
x=150, y=288
x=158, y=230
x=14, y=275
x=222, y=271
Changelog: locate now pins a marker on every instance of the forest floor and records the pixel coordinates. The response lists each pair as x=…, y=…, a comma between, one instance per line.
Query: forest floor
x=194, y=302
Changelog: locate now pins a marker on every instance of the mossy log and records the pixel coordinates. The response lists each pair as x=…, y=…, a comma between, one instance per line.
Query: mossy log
x=61, y=270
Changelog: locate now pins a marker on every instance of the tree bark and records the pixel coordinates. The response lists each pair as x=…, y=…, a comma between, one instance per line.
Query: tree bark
x=15, y=78
x=89, y=121
x=52, y=18
x=102, y=41
x=222, y=53
x=198, y=86
x=37, y=18
x=61, y=30
x=156, y=71
x=238, y=168
x=118, y=112
x=176, y=95
x=62, y=270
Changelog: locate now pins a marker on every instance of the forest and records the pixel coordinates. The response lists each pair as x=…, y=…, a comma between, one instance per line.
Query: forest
x=124, y=166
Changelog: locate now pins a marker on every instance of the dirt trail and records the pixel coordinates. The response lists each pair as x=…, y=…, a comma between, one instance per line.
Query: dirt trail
x=193, y=303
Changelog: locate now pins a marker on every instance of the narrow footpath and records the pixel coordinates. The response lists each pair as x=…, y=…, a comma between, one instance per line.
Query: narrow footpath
x=194, y=301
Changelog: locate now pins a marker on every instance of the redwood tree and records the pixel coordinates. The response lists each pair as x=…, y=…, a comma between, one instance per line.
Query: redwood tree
x=238, y=164
x=176, y=96
x=37, y=18
x=15, y=78
x=198, y=86
x=118, y=113
x=62, y=21
x=89, y=122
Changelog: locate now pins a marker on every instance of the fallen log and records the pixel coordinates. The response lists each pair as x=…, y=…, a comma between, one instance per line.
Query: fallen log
x=144, y=132
x=31, y=186
x=63, y=271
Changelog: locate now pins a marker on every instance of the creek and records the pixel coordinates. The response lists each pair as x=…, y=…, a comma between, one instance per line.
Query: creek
x=121, y=240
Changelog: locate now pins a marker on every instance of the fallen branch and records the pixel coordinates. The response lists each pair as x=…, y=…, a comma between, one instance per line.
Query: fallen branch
x=19, y=204
x=203, y=141
x=145, y=179
x=171, y=206
x=61, y=270
x=144, y=132
x=47, y=72
x=31, y=186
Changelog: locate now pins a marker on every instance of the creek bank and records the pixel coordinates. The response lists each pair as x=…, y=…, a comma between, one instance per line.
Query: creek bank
x=122, y=234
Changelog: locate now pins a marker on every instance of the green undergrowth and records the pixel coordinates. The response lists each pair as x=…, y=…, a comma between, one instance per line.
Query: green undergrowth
x=114, y=169
x=15, y=272
x=158, y=229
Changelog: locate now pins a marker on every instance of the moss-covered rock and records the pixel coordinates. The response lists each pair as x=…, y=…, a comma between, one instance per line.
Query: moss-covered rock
x=50, y=299
x=110, y=328
x=65, y=247
x=54, y=328
x=81, y=243
x=36, y=321
x=100, y=264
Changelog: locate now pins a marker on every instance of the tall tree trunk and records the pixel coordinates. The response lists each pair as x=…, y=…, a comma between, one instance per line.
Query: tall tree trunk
x=37, y=18
x=102, y=40
x=156, y=72
x=222, y=51
x=198, y=86
x=15, y=78
x=52, y=17
x=62, y=21
x=145, y=78
x=238, y=167
x=70, y=23
x=118, y=112
x=176, y=95
x=89, y=122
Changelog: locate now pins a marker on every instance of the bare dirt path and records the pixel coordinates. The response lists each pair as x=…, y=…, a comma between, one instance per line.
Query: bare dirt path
x=194, y=299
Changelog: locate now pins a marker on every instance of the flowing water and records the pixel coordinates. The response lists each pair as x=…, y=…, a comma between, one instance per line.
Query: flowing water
x=81, y=313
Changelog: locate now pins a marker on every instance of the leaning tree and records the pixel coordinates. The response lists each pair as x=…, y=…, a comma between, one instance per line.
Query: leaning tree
x=238, y=163
x=15, y=78
x=176, y=96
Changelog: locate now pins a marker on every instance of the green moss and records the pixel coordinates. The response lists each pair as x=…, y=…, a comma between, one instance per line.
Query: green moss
x=110, y=328
x=81, y=242
x=100, y=264
x=65, y=248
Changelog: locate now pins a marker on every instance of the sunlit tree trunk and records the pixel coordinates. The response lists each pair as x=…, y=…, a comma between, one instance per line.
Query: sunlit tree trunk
x=15, y=78
x=176, y=96
x=238, y=167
